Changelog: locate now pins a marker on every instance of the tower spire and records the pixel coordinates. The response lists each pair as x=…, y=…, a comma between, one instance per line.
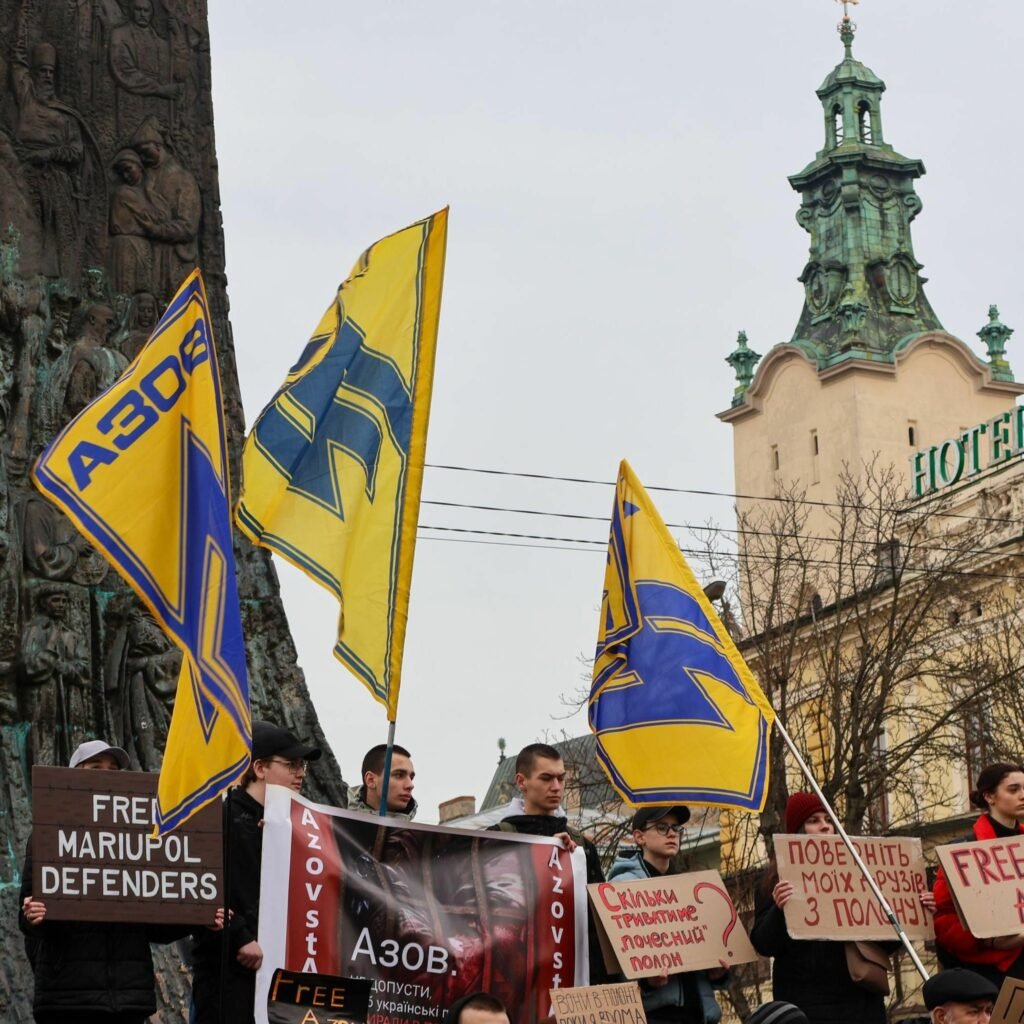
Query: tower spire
x=863, y=293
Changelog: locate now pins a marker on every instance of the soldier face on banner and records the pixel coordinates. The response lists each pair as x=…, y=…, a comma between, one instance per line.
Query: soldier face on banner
x=480, y=915
x=543, y=787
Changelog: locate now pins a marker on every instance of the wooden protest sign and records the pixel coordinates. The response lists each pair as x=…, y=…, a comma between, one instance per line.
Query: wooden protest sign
x=832, y=899
x=1009, y=1008
x=987, y=883
x=673, y=923
x=305, y=998
x=93, y=858
x=599, y=1004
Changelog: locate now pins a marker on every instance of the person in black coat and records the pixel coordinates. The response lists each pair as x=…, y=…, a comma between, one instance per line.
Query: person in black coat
x=89, y=972
x=809, y=973
x=540, y=777
x=280, y=759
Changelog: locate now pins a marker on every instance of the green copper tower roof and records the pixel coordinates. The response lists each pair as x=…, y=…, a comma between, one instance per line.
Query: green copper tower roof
x=863, y=291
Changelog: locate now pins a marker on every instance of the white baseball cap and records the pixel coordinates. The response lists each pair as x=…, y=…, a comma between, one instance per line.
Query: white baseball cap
x=93, y=748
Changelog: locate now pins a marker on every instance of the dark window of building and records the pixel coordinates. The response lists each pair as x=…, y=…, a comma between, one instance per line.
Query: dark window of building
x=979, y=744
x=837, y=123
x=911, y=436
x=864, y=121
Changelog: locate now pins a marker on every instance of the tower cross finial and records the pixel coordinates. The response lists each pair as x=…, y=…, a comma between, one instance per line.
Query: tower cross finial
x=847, y=27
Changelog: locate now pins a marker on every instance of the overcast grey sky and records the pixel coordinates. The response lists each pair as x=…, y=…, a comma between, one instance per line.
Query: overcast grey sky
x=619, y=209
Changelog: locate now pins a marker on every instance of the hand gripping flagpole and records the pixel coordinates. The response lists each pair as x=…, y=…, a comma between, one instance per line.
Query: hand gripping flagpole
x=868, y=877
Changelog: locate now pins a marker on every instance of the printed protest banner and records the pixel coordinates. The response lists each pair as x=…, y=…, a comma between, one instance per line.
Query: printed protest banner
x=297, y=998
x=987, y=883
x=94, y=858
x=674, y=923
x=832, y=899
x=427, y=914
x=599, y=1004
x=1009, y=1008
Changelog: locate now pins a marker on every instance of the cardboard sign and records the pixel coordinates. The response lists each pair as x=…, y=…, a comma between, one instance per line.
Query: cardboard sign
x=297, y=998
x=1009, y=1007
x=832, y=899
x=599, y=1004
x=987, y=883
x=674, y=923
x=93, y=858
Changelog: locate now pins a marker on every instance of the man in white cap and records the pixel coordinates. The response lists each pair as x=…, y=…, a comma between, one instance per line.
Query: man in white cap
x=88, y=970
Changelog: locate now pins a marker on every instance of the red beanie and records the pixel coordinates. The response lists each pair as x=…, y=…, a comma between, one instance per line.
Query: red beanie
x=799, y=808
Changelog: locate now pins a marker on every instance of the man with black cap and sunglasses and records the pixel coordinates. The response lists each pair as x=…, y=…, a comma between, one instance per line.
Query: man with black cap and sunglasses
x=278, y=759
x=685, y=998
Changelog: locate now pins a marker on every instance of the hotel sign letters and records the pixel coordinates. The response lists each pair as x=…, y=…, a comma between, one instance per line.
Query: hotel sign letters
x=984, y=446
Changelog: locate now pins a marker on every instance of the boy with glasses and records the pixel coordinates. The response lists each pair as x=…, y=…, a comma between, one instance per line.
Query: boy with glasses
x=685, y=998
x=278, y=759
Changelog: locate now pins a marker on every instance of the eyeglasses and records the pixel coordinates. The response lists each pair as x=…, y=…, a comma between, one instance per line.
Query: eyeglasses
x=663, y=828
x=296, y=767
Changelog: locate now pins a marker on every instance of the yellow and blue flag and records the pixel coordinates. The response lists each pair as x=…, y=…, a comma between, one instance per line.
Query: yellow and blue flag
x=143, y=473
x=333, y=467
x=678, y=715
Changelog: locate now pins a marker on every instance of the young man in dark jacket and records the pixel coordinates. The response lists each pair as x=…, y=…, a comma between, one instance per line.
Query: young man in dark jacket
x=540, y=779
x=684, y=998
x=86, y=971
x=278, y=759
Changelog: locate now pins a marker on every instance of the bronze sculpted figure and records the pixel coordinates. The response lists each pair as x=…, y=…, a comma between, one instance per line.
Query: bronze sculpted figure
x=131, y=254
x=175, y=208
x=49, y=144
x=56, y=697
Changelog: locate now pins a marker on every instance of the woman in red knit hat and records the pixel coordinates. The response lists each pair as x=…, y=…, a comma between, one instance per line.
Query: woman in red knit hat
x=810, y=973
x=999, y=792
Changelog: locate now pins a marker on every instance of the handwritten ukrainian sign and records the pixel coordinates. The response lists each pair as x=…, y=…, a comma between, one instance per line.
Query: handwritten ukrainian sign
x=832, y=899
x=674, y=923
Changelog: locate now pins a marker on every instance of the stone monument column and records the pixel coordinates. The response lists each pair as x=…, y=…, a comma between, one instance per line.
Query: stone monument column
x=108, y=198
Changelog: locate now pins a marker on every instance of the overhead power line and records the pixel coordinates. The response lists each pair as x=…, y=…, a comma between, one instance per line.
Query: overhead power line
x=599, y=545
x=700, y=492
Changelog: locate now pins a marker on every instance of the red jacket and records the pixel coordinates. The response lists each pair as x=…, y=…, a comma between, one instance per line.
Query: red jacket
x=951, y=934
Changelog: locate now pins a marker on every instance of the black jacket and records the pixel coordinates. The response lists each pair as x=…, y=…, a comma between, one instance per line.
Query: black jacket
x=812, y=974
x=243, y=840
x=550, y=825
x=90, y=966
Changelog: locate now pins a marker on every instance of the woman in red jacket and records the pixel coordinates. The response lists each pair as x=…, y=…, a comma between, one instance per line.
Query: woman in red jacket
x=999, y=793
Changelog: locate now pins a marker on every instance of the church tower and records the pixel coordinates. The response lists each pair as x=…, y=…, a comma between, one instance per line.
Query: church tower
x=869, y=372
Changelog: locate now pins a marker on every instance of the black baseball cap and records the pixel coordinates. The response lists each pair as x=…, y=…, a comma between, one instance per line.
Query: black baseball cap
x=648, y=815
x=269, y=739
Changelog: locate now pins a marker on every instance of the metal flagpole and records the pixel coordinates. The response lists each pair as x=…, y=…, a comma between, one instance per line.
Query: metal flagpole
x=873, y=885
x=386, y=777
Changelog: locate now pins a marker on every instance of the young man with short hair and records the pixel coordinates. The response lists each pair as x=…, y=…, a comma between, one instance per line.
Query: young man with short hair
x=540, y=779
x=684, y=998
x=477, y=1008
x=959, y=996
x=366, y=798
x=89, y=970
x=278, y=759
